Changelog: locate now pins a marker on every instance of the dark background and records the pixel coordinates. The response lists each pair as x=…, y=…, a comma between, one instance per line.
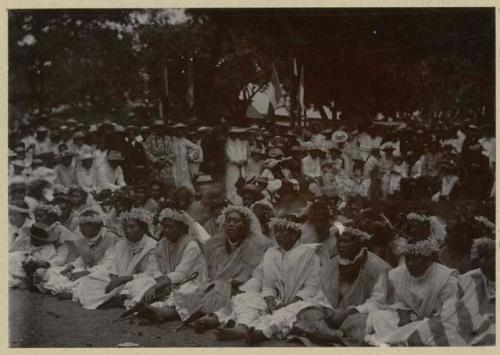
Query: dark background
x=365, y=59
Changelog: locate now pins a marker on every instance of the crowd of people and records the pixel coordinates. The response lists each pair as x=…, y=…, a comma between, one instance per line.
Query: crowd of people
x=332, y=231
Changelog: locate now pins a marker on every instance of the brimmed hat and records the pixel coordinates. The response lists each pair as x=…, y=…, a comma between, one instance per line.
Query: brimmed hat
x=204, y=129
x=340, y=136
x=119, y=129
x=37, y=162
x=68, y=153
x=87, y=156
x=71, y=121
x=40, y=232
x=158, y=123
x=252, y=189
x=79, y=135
x=327, y=131
x=42, y=129
x=145, y=129
x=253, y=128
x=204, y=179
x=179, y=125
x=262, y=179
x=114, y=156
x=19, y=164
x=131, y=127
x=12, y=154
x=275, y=152
x=256, y=150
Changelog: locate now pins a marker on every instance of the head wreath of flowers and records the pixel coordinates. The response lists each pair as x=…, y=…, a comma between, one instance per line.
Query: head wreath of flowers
x=426, y=247
x=481, y=243
x=139, y=214
x=178, y=216
x=353, y=231
x=96, y=217
x=485, y=222
x=285, y=223
x=50, y=209
x=19, y=209
x=417, y=217
x=247, y=213
x=263, y=203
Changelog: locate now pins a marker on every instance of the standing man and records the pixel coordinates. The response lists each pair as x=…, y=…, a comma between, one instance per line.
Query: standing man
x=160, y=152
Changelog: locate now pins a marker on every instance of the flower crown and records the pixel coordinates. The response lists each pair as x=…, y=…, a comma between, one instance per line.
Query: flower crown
x=485, y=222
x=18, y=209
x=245, y=211
x=139, y=214
x=50, y=209
x=418, y=217
x=181, y=217
x=285, y=223
x=425, y=247
x=353, y=231
x=481, y=243
x=263, y=202
x=96, y=218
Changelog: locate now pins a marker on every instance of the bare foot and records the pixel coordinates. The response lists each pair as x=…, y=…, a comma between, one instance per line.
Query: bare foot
x=206, y=323
x=235, y=333
x=156, y=314
x=254, y=337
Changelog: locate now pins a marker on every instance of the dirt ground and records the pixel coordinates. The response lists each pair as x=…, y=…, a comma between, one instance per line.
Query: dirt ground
x=37, y=320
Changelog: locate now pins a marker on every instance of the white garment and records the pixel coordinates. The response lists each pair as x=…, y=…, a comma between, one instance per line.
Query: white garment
x=110, y=178
x=87, y=179
x=311, y=167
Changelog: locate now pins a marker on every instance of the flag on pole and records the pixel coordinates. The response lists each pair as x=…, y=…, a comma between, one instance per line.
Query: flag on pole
x=301, y=89
x=190, y=85
x=276, y=94
x=165, y=76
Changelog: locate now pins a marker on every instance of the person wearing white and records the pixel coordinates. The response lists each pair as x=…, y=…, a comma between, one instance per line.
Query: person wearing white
x=236, y=158
x=110, y=173
x=87, y=176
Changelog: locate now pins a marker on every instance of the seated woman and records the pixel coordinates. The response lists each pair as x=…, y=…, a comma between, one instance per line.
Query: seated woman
x=94, y=249
x=417, y=290
x=287, y=281
x=177, y=257
x=320, y=228
x=354, y=283
x=19, y=222
x=231, y=257
x=131, y=261
x=469, y=317
x=38, y=251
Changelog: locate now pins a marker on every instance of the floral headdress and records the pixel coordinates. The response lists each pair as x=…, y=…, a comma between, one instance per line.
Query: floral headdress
x=418, y=217
x=50, y=209
x=481, y=243
x=253, y=222
x=353, y=231
x=178, y=216
x=139, y=214
x=426, y=247
x=485, y=222
x=285, y=223
x=96, y=217
x=263, y=202
x=19, y=209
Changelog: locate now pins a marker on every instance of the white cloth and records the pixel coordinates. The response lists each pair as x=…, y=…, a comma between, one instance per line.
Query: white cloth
x=109, y=178
x=87, y=179
x=311, y=167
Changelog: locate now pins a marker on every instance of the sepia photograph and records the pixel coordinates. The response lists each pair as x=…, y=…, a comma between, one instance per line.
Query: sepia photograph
x=251, y=177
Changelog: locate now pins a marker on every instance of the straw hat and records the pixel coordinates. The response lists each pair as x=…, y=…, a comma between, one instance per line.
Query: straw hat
x=340, y=136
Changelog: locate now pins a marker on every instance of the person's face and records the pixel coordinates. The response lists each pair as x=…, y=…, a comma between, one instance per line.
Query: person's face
x=36, y=242
x=41, y=136
x=42, y=216
x=87, y=163
x=141, y=196
x=158, y=130
x=261, y=185
x=133, y=230
x=388, y=153
x=263, y=213
x=348, y=246
x=235, y=226
x=78, y=142
x=17, y=194
x=337, y=165
x=184, y=199
x=286, y=238
x=417, y=264
x=257, y=157
x=315, y=154
x=487, y=264
x=66, y=209
x=77, y=198
x=320, y=217
x=113, y=164
x=90, y=230
x=66, y=161
x=17, y=218
x=248, y=199
x=172, y=230
x=155, y=192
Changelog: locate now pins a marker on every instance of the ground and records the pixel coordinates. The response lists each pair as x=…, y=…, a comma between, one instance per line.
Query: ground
x=37, y=320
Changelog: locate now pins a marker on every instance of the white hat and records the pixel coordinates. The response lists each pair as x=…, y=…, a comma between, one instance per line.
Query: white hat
x=87, y=156
x=340, y=136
